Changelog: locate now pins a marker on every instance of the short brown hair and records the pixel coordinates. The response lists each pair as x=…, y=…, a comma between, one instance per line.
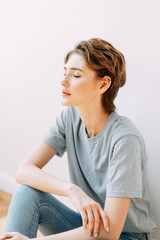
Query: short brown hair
x=102, y=57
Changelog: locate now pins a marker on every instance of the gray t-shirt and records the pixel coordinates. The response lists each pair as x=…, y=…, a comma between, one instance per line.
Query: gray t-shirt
x=113, y=163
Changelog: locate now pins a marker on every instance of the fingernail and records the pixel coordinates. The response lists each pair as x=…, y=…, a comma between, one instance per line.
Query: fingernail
x=90, y=234
x=107, y=229
x=96, y=235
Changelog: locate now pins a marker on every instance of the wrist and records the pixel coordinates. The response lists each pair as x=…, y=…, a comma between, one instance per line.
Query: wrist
x=72, y=189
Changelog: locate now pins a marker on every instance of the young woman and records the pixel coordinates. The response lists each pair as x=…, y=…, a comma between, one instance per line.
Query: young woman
x=106, y=156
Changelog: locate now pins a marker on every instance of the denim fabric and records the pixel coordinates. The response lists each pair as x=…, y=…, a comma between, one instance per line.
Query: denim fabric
x=31, y=209
x=133, y=236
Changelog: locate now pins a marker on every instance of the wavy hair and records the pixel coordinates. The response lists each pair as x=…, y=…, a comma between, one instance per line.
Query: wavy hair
x=102, y=57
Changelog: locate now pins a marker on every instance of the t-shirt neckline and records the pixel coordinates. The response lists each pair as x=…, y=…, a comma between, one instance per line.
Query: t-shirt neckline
x=101, y=134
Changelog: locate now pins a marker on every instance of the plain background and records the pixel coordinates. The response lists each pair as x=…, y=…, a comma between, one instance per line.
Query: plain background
x=35, y=35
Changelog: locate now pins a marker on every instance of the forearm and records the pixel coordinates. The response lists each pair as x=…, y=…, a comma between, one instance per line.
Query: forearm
x=78, y=234
x=37, y=178
x=30, y=172
x=116, y=209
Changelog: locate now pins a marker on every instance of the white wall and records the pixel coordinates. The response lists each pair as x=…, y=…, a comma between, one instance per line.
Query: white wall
x=34, y=37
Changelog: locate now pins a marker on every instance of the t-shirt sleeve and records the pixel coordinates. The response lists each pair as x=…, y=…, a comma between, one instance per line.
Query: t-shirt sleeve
x=56, y=136
x=125, y=169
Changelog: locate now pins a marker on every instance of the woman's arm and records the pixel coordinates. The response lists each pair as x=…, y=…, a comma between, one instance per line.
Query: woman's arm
x=30, y=172
x=115, y=208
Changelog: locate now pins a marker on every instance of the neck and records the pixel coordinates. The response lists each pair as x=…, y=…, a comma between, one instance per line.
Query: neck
x=94, y=118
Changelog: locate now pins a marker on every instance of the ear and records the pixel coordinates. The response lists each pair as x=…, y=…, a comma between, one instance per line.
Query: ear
x=105, y=84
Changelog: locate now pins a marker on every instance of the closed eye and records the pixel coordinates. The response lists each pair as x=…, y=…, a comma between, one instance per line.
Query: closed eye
x=76, y=76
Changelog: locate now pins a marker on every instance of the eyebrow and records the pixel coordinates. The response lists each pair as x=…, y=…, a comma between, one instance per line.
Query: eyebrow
x=74, y=68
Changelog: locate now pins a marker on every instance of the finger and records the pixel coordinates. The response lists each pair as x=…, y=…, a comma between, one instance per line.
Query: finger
x=96, y=223
x=90, y=226
x=84, y=218
x=105, y=219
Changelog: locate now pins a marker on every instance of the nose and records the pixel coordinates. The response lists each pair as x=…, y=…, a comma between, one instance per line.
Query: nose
x=65, y=82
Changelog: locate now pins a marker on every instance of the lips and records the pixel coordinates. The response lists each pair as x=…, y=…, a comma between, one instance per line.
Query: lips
x=65, y=93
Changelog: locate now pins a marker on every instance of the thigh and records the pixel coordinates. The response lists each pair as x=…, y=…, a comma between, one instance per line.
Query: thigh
x=133, y=236
x=30, y=209
x=56, y=217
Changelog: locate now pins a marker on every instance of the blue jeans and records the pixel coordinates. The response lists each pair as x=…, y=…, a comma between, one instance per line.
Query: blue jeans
x=31, y=210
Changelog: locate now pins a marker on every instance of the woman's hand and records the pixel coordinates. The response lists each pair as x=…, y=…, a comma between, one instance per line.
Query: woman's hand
x=14, y=236
x=91, y=211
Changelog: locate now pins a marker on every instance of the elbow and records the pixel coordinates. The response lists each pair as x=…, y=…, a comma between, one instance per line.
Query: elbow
x=19, y=175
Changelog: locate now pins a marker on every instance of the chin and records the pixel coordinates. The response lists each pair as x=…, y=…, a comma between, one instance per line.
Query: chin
x=66, y=104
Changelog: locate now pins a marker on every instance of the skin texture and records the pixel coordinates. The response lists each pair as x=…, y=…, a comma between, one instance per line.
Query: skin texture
x=83, y=89
x=80, y=81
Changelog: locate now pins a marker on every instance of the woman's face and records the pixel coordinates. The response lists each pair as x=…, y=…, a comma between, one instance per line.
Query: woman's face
x=80, y=84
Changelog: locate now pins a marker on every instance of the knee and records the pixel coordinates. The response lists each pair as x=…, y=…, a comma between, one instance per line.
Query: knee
x=27, y=194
